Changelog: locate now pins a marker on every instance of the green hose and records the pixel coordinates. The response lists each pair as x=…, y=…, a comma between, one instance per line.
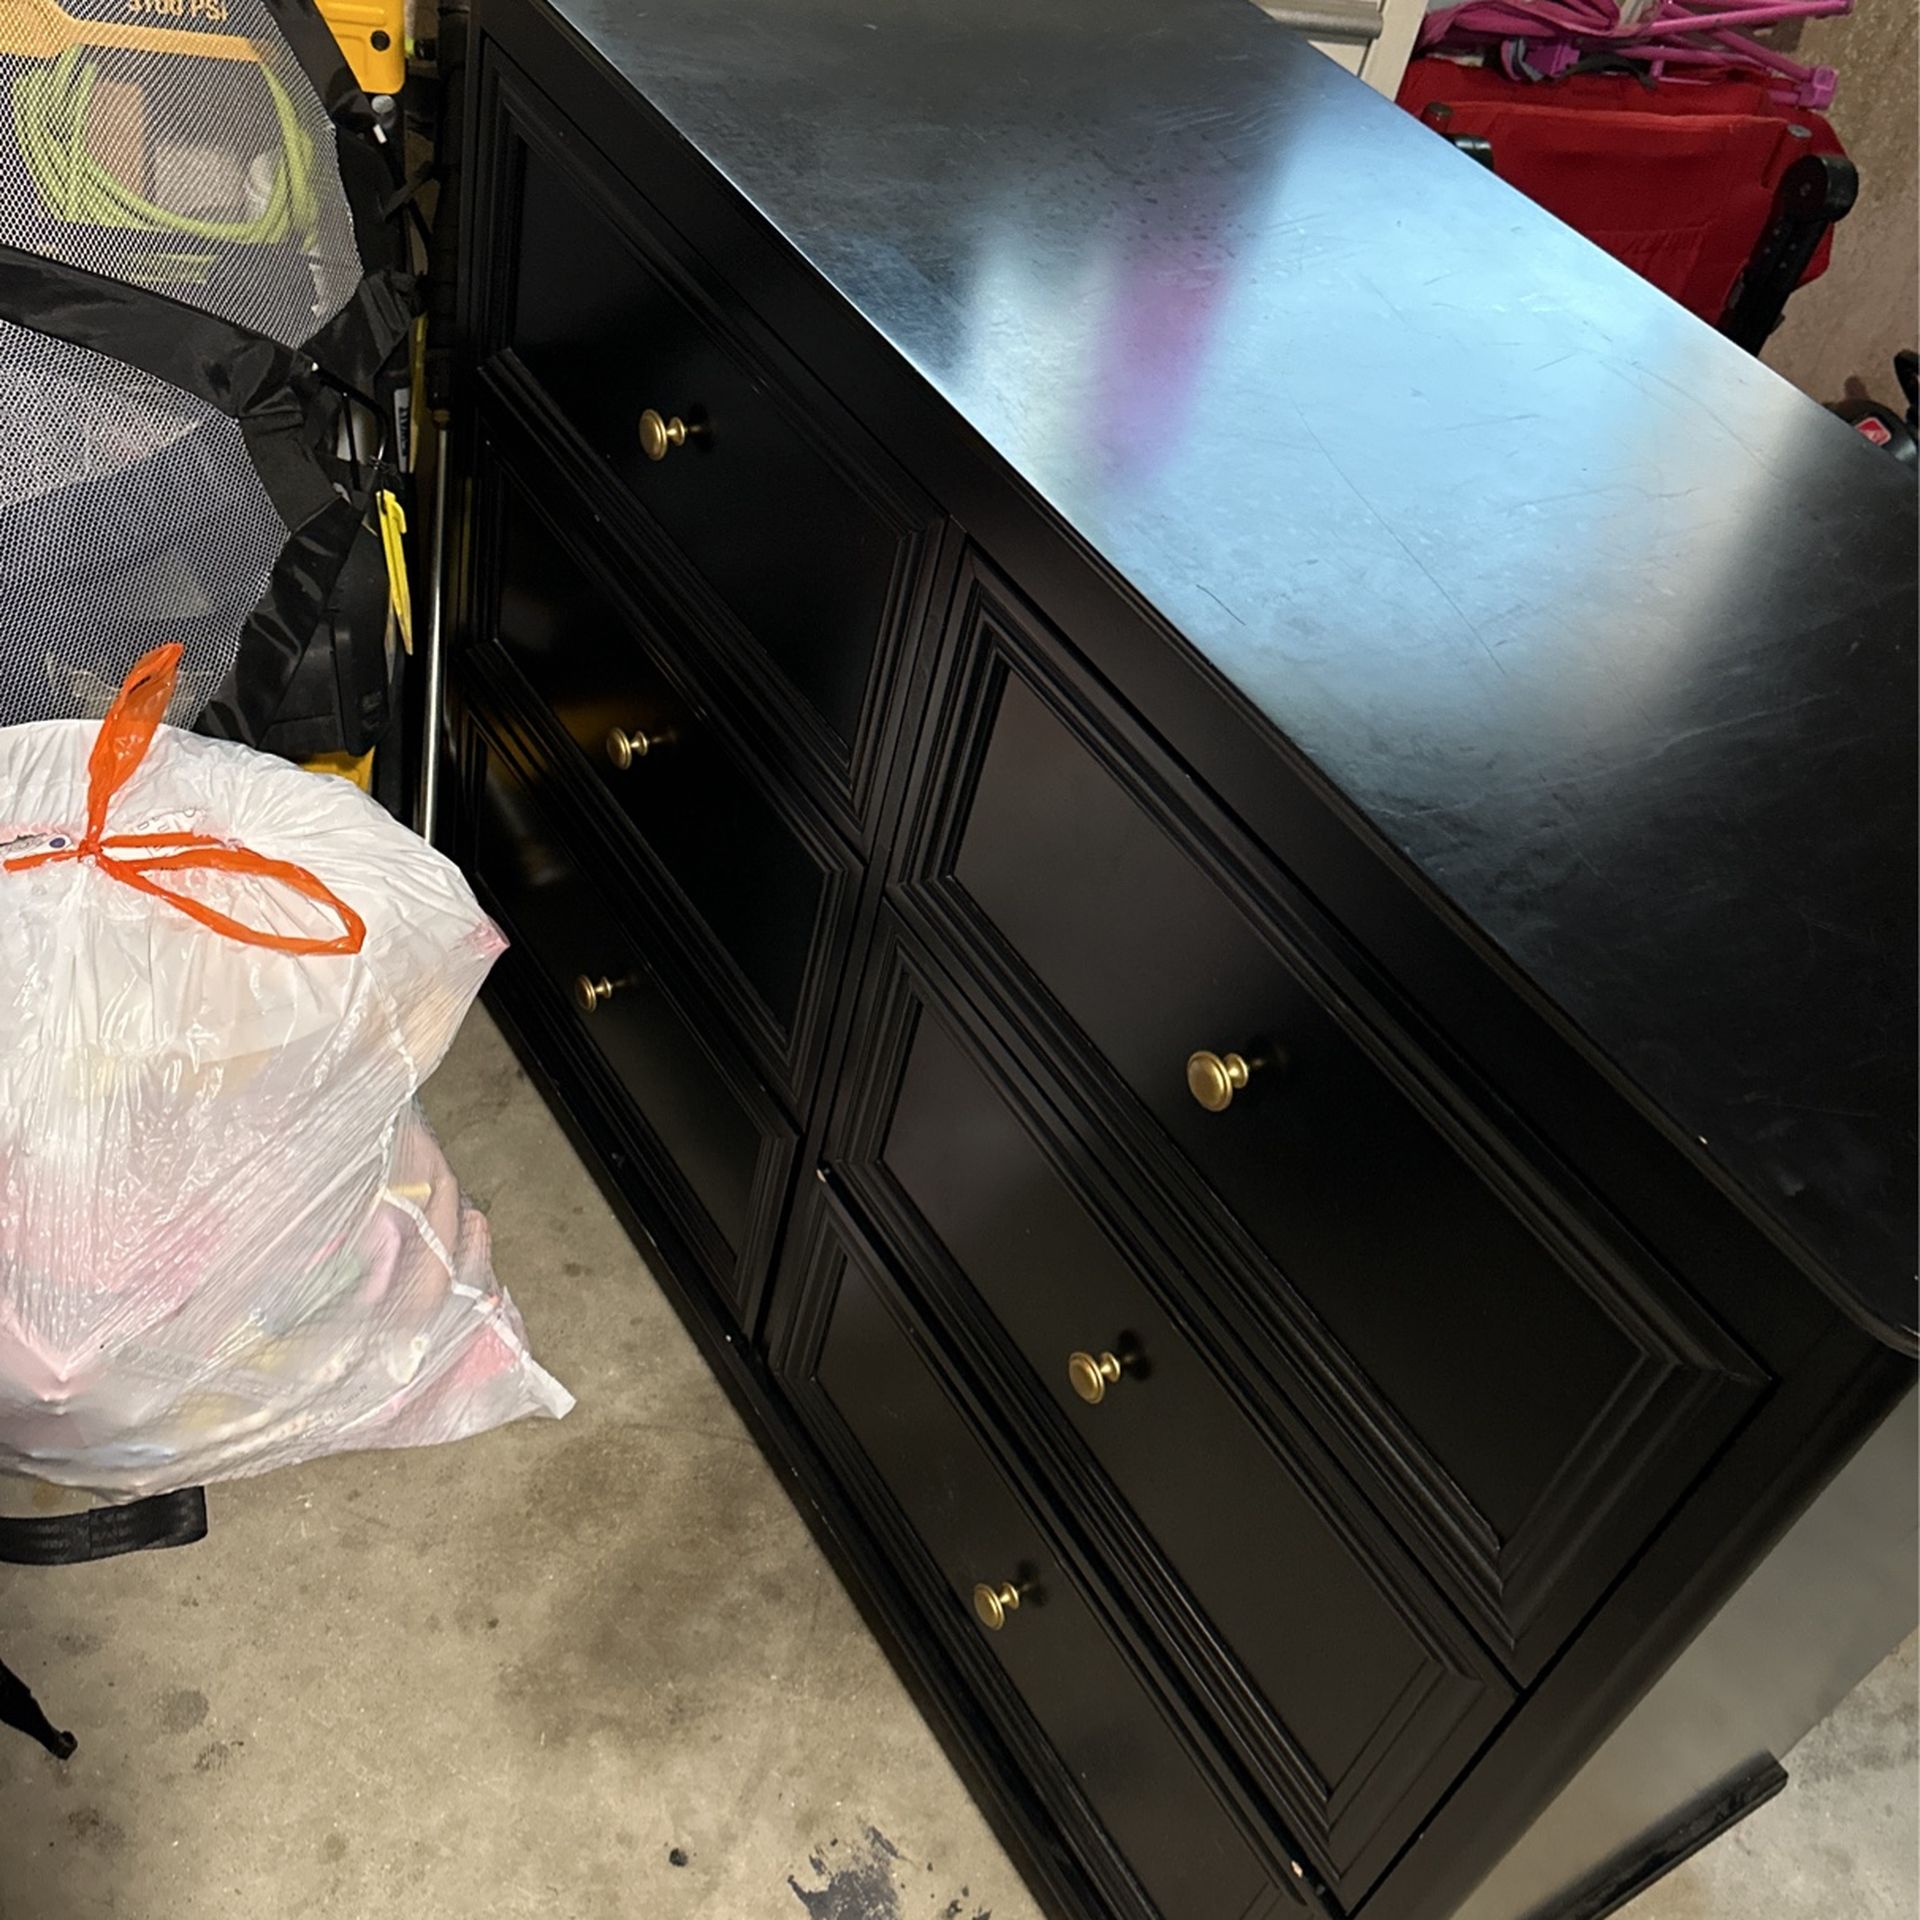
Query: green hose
x=50, y=101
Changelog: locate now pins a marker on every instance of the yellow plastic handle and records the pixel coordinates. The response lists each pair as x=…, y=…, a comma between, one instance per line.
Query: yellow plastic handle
x=393, y=528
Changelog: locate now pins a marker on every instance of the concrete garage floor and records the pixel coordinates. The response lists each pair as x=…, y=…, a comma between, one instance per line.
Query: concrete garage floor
x=597, y=1671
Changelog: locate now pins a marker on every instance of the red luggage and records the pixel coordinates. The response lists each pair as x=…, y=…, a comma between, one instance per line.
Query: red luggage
x=1679, y=179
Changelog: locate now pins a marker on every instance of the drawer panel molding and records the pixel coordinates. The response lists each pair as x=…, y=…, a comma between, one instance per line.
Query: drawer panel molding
x=752, y=878
x=1088, y=1721
x=709, y=1147
x=1523, y=1387
x=1350, y=1687
x=746, y=496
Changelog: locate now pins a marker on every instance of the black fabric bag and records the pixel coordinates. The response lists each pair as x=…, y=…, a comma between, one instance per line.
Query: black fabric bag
x=203, y=315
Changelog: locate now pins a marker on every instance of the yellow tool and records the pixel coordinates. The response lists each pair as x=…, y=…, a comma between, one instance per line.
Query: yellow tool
x=393, y=528
x=373, y=36
x=43, y=30
x=357, y=768
x=371, y=33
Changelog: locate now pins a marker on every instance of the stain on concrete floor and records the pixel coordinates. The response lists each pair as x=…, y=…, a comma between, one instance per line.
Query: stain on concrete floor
x=871, y=1879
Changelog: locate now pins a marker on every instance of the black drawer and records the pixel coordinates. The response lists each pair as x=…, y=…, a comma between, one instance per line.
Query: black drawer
x=867, y=1380
x=1542, y=1398
x=773, y=508
x=714, y=1147
x=762, y=878
x=1347, y=1680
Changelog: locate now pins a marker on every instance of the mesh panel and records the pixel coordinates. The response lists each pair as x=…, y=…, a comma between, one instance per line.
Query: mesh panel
x=130, y=515
x=212, y=180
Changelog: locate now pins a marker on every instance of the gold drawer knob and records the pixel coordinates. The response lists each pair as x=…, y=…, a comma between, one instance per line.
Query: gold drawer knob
x=659, y=435
x=624, y=747
x=1214, y=1078
x=590, y=995
x=1092, y=1374
x=993, y=1604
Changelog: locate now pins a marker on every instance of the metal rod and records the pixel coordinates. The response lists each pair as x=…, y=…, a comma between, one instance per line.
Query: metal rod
x=427, y=803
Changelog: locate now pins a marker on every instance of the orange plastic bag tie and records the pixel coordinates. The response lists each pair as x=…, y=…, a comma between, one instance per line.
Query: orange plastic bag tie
x=125, y=735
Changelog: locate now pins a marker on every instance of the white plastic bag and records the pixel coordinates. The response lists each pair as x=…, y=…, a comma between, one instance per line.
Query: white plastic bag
x=228, y=1240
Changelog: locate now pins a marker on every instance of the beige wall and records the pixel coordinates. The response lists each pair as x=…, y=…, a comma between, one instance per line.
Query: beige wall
x=1847, y=325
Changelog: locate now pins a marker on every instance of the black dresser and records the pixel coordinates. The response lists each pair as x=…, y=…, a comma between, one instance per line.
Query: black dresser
x=1215, y=838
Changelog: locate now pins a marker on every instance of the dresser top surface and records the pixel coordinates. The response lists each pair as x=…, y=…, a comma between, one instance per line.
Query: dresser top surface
x=1590, y=617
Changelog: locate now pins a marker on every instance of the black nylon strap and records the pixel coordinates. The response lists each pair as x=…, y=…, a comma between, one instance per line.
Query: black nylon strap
x=362, y=340
x=226, y=366
x=101, y=1533
x=279, y=630
x=70, y=1539
x=408, y=191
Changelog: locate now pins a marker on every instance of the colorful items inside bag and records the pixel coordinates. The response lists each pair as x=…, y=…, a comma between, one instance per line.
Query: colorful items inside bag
x=228, y=1240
